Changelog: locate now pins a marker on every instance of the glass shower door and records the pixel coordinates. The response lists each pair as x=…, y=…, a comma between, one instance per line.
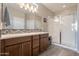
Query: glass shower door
x=67, y=31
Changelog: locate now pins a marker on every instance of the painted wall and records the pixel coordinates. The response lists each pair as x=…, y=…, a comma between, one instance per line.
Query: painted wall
x=43, y=11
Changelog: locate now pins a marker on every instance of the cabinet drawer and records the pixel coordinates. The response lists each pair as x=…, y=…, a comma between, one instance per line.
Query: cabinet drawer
x=35, y=37
x=35, y=51
x=45, y=43
x=43, y=35
x=41, y=45
x=12, y=41
x=35, y=43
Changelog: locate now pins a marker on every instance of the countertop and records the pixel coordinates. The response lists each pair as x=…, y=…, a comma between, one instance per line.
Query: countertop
x=7, y=36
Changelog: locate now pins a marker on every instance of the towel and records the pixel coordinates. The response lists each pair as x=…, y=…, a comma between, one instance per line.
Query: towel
x=6, y=17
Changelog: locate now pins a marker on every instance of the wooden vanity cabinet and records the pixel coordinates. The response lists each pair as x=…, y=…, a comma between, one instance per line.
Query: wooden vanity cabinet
x=43, y=42
x=24, y=46
x=23, y=49
x=18, y=46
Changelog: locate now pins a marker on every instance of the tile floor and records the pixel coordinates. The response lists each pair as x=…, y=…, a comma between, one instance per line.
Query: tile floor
x=58, y=51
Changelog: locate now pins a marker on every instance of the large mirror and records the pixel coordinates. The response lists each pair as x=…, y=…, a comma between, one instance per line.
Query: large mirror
x=33, y=21
x=15, y=17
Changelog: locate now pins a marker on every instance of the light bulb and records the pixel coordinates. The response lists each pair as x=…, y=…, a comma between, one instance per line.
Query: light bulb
x=25, y=7
x=21, y=5
x=31, y=7
x=28, y=6
x=35, y=10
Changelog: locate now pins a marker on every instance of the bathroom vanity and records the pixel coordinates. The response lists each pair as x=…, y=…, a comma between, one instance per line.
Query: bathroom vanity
x=24, y=44
x=17, y=41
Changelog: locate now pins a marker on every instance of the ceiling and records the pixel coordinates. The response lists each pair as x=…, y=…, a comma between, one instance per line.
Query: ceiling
x=54, y=7
x=59, y=7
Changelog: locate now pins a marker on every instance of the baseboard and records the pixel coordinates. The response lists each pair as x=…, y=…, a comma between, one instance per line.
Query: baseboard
x=63, y=46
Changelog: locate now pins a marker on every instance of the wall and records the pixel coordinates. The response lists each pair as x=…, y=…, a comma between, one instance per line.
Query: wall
x=44, y=12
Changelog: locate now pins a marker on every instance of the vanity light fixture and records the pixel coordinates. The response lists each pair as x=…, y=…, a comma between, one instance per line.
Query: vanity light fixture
x=31, y=7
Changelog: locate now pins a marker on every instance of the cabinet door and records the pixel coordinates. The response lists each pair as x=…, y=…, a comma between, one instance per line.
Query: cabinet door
x=41, y=45
x=35, y=41
x=14, y=50
x=26, y=49
x=36, y=51
x=45, y=41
